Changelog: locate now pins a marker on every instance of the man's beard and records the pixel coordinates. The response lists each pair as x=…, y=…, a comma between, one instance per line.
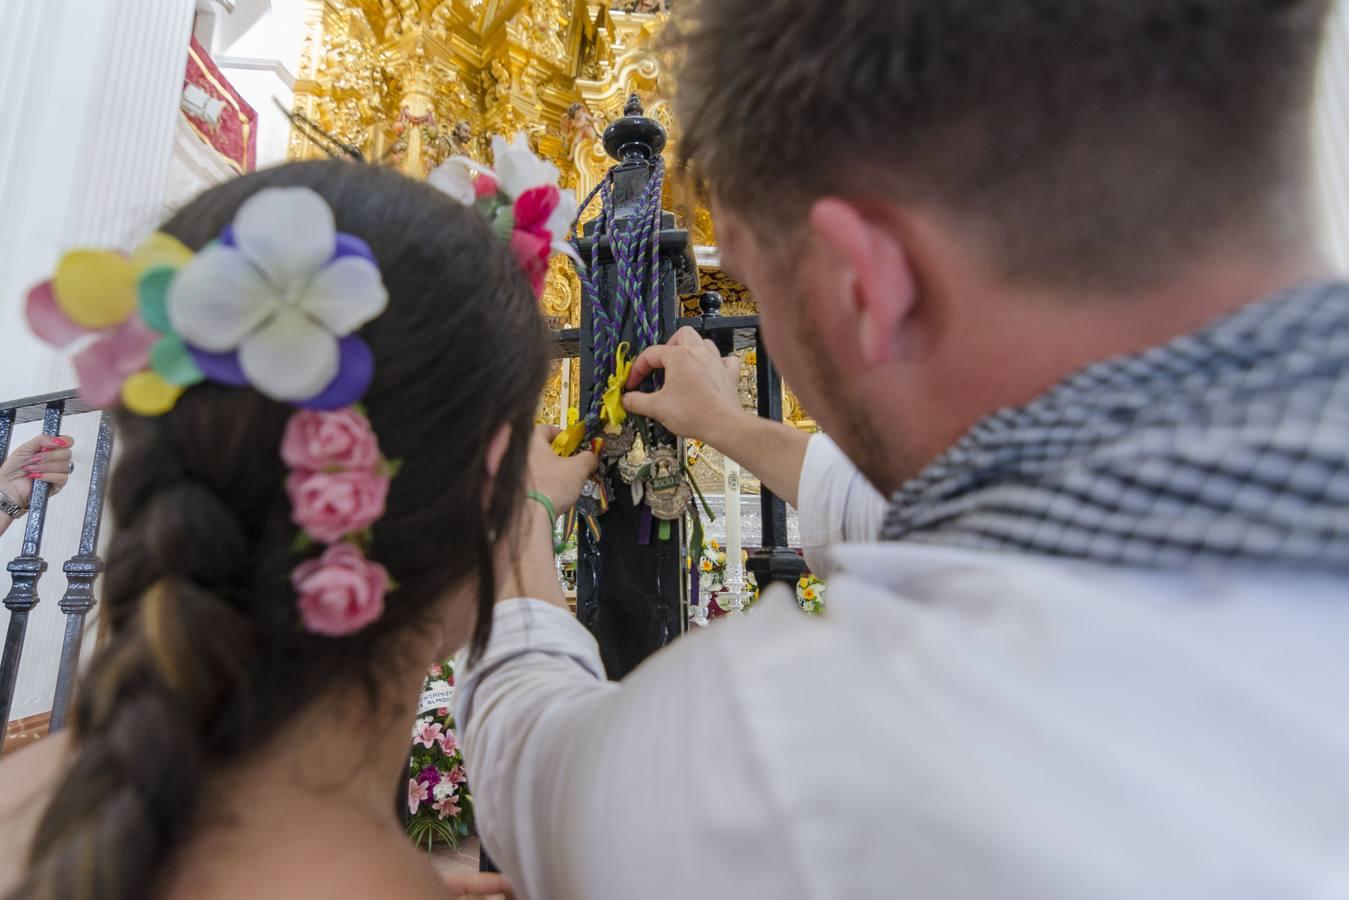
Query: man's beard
x=847, y=423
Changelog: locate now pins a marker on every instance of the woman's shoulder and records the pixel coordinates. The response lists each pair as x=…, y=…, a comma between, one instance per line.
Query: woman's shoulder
x=27, y=777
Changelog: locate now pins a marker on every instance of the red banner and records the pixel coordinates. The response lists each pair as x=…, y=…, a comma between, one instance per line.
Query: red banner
x=235, y=135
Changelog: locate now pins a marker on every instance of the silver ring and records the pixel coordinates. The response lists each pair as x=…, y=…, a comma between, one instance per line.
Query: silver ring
x=71, y=470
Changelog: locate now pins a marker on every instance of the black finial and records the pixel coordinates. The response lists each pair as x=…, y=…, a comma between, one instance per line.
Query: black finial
x=710, y=303
x=635, y=136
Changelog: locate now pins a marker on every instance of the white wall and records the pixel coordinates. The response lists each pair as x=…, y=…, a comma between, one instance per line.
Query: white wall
x=257, y=46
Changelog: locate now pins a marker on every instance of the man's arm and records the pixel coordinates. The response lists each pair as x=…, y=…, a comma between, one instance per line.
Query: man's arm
x=699, y=399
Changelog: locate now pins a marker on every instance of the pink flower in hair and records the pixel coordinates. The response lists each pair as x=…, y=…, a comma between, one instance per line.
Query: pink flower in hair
x=328, y=441
x=532, y=253
x=341, y=592
x=485, y=185
x=430, y=734
x=331, y=505
x=417, y=792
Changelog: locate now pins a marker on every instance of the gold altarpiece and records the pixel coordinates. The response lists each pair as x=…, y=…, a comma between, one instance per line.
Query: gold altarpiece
x=411, y=82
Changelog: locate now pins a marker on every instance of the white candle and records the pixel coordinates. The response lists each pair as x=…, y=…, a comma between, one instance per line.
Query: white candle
x=735, y=569
x=564, y=395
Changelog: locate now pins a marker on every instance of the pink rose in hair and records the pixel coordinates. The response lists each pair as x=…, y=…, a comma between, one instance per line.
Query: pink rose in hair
x=330, y=440
x=331, y=505
x=534, y=207
x=532, y=253
x=484, y=185
x=341, y=592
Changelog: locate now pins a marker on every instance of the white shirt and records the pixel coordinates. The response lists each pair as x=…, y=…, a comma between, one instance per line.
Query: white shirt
x=959, y=725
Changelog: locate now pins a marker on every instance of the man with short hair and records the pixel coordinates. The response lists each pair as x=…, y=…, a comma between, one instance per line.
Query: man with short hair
x=1045, y=272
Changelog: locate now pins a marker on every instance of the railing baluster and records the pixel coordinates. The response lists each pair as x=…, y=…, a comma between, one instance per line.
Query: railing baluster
x=82, y=570
x=6, y=429
x=25, y=571
x=774, y=561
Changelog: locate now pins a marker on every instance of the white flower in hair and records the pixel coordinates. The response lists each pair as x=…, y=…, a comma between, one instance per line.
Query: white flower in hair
x=518, y=169
x=281, y=287
x=456, y=176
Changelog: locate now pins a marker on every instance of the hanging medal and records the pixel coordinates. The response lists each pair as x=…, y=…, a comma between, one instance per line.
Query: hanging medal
x=667, y=489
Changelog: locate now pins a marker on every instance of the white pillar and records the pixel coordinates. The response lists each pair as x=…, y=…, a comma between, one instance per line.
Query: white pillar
x=1332, y=139
x=89, y=91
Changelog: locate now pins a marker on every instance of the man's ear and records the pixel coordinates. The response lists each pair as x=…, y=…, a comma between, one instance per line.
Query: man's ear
x=877, y=269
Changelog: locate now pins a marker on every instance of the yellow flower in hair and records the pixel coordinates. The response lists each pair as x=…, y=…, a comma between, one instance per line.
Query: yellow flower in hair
x=148, y=394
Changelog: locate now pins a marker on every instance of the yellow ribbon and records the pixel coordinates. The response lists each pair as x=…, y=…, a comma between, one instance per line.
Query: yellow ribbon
x=569, y=440
x=612, y=412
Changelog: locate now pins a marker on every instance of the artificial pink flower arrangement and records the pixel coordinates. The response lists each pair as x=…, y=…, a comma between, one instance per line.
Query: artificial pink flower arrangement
x=338, y=487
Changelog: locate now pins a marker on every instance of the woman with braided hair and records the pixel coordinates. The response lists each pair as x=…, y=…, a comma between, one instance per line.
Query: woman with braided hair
x=321, y=486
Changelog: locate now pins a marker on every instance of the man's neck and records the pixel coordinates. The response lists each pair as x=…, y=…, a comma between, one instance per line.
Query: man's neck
x=1027, y=341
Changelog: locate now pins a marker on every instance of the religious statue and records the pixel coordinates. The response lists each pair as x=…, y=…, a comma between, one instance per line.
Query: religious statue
x=578, y=124
x=461, y=138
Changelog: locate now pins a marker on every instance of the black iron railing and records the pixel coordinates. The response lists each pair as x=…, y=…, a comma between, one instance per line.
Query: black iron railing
x=26, y=570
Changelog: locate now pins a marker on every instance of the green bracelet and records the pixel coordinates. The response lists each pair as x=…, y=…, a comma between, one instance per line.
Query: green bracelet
x=558, y=546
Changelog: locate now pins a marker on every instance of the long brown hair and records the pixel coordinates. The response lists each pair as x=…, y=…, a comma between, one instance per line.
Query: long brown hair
x=205, y=657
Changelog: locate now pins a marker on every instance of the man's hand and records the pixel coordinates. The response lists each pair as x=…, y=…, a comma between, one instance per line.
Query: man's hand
x=700, y=397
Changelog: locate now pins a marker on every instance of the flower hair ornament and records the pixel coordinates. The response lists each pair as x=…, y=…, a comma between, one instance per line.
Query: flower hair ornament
x=274, y=304
x=520, y=198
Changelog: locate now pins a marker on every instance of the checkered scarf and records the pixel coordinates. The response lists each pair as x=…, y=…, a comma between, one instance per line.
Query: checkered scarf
x=1227, y=445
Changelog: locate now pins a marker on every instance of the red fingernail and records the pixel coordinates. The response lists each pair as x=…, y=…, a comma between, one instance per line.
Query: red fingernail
x=61, y=442
x=34, y=474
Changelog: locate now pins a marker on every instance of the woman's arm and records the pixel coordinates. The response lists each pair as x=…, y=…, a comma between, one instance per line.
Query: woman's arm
x=44, y=458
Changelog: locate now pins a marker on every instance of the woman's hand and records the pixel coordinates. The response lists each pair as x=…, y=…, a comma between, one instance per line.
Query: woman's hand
x=528, y=567
x=44, y=458
x=558, y=478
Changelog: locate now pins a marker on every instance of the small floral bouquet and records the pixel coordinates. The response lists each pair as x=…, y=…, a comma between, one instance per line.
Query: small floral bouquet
x=440, y=808
x=712, y=572
x=810, y=593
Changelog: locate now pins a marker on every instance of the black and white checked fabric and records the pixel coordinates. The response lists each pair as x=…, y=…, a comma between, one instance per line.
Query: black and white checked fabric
x=1227, y=445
